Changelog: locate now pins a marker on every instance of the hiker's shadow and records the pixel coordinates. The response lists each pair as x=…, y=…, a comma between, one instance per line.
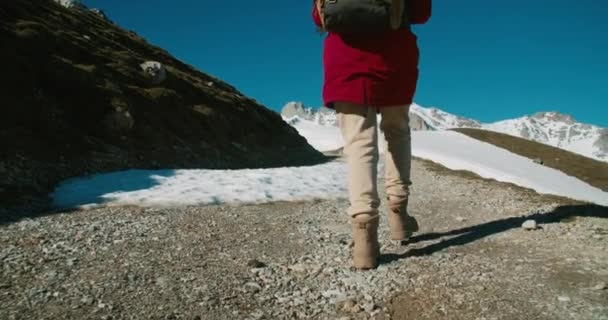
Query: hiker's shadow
x=470, y=234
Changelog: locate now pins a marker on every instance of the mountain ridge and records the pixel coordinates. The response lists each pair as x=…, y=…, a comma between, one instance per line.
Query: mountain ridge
x=547, y=127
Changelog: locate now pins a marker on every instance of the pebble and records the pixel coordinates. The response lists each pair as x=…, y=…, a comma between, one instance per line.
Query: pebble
x=254, y=263
x=162, y=281
x=335, y=295
x=348, y=305
x=529, y=225
x=298, y=268
x=253, y=287
x=86, y=300
x=563, y=299
x=600, y=286
x=257, y=315
x=369, y=307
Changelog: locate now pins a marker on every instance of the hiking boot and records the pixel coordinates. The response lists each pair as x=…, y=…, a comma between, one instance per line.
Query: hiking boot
x=402, y=224
x=366, y=248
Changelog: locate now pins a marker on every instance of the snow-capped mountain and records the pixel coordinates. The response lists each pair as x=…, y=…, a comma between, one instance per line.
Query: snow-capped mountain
x=323, y=116
x=295, y=111
x=551, y=128
x=439, y=119
x=558, y=130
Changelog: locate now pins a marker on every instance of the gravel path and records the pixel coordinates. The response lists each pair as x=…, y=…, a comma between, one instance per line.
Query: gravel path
x=471, y=260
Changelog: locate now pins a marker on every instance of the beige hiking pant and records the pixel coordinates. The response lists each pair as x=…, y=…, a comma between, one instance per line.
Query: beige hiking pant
x=360, y=132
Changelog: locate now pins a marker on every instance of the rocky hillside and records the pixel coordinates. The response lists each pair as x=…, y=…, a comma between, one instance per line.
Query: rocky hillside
x=82, y=95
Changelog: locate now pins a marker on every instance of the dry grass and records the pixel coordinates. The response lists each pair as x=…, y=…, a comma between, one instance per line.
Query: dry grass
x=586, y=169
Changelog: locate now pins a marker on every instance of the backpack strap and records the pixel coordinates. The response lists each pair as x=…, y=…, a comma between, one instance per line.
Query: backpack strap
x=397, y=7
x=320, y=4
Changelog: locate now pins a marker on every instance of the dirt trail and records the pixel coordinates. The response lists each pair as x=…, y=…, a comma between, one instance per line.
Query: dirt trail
x=471, y=260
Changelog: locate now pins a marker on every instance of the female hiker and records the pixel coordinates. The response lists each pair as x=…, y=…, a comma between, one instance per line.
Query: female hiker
x=365, y=74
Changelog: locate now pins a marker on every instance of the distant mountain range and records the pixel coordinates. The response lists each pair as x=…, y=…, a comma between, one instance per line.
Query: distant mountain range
x=551, y=128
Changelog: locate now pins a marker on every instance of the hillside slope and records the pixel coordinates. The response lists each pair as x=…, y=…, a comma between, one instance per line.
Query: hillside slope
x=592, y=171
x=549, y=128
x=75, y=100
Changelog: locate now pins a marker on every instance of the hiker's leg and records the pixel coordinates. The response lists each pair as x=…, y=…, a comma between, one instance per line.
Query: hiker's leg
x=397, y=168
x=359, y=130
x=397, y=143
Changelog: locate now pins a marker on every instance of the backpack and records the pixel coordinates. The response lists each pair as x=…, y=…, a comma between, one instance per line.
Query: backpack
x=363, y=16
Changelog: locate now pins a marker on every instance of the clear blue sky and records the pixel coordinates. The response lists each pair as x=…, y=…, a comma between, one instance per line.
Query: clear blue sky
x=488, y=60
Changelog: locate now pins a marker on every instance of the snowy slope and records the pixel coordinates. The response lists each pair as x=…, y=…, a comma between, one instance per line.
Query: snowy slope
x=459, y=152
x=326, y=181
x=321, y=137
x=174, y=188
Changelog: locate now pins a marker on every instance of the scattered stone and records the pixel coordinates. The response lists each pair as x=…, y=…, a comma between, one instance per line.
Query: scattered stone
x=155, y=71
x=529, y=225
x=253, y=287
x=600, y=286
x=162, y=281
x=86, y=300
x=51, y=275
x=258, y=314
x=335, y=295
x=374, y=313
x=298, y=268
x=254, y=263
x=369, y=307
x=118, y=122
x=539, y=161
x=348, y=305
x=563, y=299
x=99, y=13
x=461, y=219
x=69, y=3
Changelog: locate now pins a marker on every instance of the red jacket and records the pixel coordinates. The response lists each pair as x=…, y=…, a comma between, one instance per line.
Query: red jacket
x=375, y=71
